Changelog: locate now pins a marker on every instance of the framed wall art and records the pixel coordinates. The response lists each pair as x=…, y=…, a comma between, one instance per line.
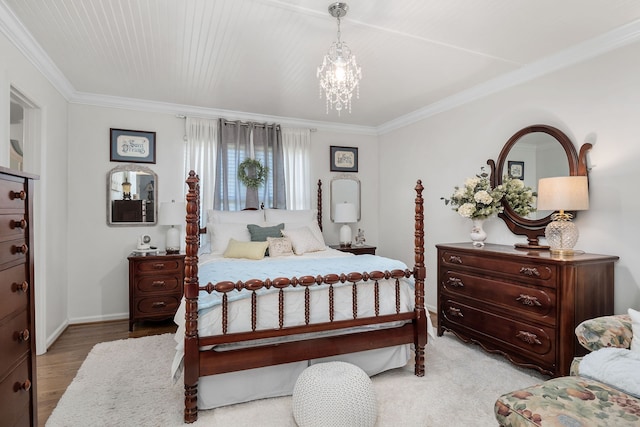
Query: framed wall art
x=344, y=159
x=134, y=146
x=516, y=169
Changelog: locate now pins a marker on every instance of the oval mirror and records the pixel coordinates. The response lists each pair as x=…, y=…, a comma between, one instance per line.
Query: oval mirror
x=345, y=189
x=131, y=196
x=538, y=151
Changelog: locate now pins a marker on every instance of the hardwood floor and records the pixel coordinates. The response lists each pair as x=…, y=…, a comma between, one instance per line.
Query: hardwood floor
x=59, y=365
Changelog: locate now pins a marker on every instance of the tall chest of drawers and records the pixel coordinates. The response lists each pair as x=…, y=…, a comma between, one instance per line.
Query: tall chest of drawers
x=18, y=398
x=522, y=304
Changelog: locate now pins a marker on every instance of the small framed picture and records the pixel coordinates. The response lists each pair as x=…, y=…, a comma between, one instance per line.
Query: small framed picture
x=134, y=146
x=344, y=159
x=516, y=169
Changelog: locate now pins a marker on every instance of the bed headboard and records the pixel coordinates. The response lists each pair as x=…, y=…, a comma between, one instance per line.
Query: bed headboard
x=203, y=230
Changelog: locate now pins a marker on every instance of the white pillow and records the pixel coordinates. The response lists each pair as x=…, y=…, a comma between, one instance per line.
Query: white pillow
x=235, y=217
x=313, y=226
x=303, y=240
x=279, y=246
x=303, y=216
x=220, y=234
x=635, y=327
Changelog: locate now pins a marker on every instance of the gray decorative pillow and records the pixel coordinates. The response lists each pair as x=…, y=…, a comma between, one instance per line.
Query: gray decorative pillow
x=260, y=234
x=279, y=246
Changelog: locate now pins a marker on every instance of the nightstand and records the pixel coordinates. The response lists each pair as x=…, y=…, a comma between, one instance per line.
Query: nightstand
x=358, y=250
x=155, y=286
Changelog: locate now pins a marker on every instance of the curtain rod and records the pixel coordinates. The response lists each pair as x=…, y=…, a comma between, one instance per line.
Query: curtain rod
x=182, y=116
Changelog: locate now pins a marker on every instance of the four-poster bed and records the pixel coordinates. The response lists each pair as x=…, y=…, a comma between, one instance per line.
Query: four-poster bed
x=313, y=314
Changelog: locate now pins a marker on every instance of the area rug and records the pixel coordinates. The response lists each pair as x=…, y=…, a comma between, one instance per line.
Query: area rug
x=127, y=383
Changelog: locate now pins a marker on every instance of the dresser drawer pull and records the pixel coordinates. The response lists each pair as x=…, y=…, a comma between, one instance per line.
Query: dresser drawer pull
x=158, y=265
x=26, y=386
x=529, y=300
x=159, y=304
x=454, y=259
x=456, y=312
x=22, y=249
x=18, y=224
x=23, y=335
x=528, y=337
x=17, y=195
x=455, y=282
x=530, y=271
x=158, y=284
x=20, y=287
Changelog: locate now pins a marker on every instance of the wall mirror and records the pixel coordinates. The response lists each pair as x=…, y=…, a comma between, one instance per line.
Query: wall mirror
x=131, y=196
x=345, y=188
x=535, y=152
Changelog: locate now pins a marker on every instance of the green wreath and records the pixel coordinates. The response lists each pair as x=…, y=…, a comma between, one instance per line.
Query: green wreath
x=257, y=178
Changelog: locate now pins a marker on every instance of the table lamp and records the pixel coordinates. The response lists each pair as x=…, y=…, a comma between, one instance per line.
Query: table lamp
x=563, y=193
x=173, y=214
x=345, y=213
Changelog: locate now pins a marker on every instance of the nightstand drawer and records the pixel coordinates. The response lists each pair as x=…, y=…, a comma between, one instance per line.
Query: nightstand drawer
x=160, y=305
x=16, y=396
x=164, y=284
x=13, y=251
x=158, y=265
x=16, y=340
x=12, y=226
x=12, y=195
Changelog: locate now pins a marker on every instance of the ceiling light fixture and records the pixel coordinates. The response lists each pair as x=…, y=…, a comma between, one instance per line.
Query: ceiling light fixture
x=339, y=73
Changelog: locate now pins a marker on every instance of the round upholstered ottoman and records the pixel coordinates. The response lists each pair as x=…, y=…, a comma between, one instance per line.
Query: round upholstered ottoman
x=334, y=394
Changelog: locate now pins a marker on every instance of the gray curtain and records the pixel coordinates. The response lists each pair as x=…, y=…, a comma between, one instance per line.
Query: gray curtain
x=235, y=146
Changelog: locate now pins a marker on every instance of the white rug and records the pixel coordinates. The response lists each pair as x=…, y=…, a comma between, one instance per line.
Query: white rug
x=127, y=383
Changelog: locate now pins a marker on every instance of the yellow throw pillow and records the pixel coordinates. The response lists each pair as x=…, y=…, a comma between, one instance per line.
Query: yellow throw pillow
x=249, y=250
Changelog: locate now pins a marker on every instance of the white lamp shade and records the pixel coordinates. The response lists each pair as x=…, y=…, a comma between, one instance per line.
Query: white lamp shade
x=345, y=213
x=172, y=213
x=569, y=193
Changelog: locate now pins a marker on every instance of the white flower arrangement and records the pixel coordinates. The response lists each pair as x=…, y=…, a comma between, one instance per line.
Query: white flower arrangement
x=477, y=200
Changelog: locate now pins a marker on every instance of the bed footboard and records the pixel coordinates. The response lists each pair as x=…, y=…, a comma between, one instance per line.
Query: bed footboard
x=202, y=363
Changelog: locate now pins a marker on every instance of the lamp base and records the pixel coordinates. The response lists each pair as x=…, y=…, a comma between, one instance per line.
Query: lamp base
x=562, y=236
x=345, y=236
x=172, y=244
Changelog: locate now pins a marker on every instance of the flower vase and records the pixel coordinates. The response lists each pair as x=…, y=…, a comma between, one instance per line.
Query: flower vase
x=478, y=235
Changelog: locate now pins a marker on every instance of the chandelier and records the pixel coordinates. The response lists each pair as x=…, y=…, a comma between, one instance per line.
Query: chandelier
x=339, y=73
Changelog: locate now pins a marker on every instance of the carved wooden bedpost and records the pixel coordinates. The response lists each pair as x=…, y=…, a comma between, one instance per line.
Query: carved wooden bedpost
x=419, y=276
x=191, y=290
x=320, y=204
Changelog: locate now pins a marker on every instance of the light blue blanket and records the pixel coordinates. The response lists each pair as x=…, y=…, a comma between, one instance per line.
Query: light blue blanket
x=240, y=270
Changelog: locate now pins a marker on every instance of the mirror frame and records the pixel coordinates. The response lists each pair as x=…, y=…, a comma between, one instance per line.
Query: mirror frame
x=534, y=228
x=345, y=177
x=132, y=168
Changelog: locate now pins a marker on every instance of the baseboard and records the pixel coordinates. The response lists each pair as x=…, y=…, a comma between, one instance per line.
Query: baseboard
x=96, y=319
x=56, y=334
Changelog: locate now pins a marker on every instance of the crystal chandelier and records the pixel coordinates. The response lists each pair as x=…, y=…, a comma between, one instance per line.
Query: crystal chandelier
x=339, y=73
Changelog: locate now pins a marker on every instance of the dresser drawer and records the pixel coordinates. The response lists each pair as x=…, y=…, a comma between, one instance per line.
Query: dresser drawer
x=537, y=303
x=522, y=339
x=160, y=305
x=12, y=226
x=15, y=397
x=16, y=339
x=538, y=273
x=13, y=251
x=12, y=195
x=158, y=265
x=165, y=284
x=12, y=296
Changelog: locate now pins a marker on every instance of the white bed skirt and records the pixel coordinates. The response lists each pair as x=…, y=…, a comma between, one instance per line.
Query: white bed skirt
x=273, y=381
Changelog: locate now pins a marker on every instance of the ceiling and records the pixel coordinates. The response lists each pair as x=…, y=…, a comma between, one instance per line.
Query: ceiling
x=258, y=58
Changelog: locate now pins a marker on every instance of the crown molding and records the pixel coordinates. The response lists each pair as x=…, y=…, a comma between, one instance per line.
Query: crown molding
x=607, y=42
x=22, y=39
x=204, y=112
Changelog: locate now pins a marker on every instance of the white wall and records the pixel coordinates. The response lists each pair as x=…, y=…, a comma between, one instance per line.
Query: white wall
x=49, y=160
x=98, y=267
x=596, y=101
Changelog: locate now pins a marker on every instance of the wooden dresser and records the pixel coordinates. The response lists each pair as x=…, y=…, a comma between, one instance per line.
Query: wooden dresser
x=18, y=397
x=522, y=304
x=155, y=286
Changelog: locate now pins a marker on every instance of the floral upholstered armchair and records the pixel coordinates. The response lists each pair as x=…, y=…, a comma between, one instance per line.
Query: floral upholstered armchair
x=578, y=400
